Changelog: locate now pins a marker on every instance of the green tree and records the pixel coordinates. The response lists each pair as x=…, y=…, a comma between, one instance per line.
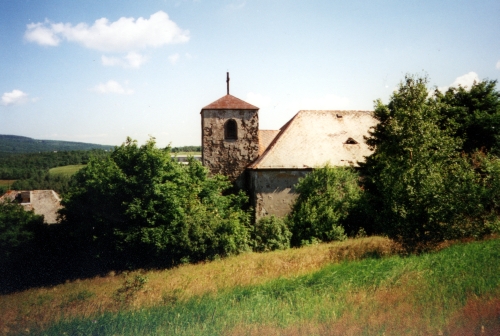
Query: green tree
x=475, y=112
x=271, y=233
x=17, y=228
x=149, y=208
x=422, y=190
x=328, y=196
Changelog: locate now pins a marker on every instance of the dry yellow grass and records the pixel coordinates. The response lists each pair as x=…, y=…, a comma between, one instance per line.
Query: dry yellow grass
x=43, y=306
x=6, y=183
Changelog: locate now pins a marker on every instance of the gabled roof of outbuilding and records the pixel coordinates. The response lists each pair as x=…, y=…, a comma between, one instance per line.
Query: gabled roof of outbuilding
x=42, y=202
x=313, y=138
x=229, y=102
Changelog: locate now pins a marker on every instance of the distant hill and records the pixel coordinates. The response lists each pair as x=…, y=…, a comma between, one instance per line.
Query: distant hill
x=20, y=144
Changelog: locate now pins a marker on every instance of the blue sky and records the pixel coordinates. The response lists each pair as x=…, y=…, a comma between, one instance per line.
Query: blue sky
x=99, y=71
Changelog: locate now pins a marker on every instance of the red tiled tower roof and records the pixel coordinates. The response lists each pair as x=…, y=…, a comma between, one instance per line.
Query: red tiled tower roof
x=229, y=102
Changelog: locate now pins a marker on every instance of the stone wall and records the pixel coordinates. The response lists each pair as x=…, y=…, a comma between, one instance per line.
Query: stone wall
x=229, y=157
x=273, y=192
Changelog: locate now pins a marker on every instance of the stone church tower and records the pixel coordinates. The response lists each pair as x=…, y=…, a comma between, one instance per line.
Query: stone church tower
x=229, y=137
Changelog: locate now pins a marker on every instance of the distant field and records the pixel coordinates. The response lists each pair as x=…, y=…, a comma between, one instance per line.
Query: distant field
x=6, y=183
x=65, y=170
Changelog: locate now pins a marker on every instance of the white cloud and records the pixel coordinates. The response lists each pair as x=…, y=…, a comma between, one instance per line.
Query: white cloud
x=123, y=35
x=498, y=65
x=173, y=58
x=131, y=60
x=135, y=60
x=464, y=81
x=112, y=87
x=41, y=34
x=14, y=97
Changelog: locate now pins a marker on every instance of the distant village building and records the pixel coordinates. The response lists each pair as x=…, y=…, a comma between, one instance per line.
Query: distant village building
x=42, y=202
x=268, y=163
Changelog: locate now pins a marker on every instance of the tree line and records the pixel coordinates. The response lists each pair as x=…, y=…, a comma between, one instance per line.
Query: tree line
x=15, y=144
x=31, y=170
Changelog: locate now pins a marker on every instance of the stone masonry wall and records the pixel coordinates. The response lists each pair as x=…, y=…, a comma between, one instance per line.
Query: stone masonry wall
x=229, y=157
x=273, y=191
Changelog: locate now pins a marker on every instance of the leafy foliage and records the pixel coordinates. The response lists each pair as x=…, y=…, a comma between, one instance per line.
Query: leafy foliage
x=327, y=196
x=44, y=181
x=17, y=228
x=148, y=208
x=475, y=113
x=271, y=233
x=421, y=188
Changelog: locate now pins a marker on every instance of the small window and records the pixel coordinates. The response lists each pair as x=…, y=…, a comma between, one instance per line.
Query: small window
x=231, y=130
x=351, y=141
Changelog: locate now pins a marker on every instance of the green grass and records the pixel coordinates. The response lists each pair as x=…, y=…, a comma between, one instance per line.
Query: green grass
x=65, y=170
x=6, y=183
x=392, y=296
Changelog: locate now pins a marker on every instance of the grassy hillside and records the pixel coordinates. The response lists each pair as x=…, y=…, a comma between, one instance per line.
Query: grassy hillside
x=357, y=287
x=20, y=144
x=65, y=170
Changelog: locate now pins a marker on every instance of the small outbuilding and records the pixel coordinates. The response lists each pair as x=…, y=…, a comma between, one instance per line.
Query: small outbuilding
x=42, y=202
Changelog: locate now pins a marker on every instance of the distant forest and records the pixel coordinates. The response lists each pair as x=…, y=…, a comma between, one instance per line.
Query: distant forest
x=28, y=161
x=31, y=170
x=20, y=144
x=186, y=149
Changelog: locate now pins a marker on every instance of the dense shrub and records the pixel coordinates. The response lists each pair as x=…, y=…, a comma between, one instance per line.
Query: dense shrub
x=17, y=228
x=141, y=207
x=271, y=233
x=422, y=187
x=327, y=198
x=44, y=181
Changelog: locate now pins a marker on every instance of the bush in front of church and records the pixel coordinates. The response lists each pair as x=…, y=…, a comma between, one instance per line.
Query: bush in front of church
x=327, y=198
x=271, y=233
x=139, y=207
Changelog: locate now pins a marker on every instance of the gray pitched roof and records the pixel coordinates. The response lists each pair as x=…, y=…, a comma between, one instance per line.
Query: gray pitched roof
x=265, y=139
x=313, y=138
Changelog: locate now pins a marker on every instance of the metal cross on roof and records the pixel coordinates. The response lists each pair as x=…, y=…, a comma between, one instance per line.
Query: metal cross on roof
x=227, y=81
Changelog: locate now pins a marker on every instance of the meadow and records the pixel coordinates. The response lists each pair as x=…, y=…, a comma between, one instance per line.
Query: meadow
x=361, y=286
x=66, y=170
x=6, y=183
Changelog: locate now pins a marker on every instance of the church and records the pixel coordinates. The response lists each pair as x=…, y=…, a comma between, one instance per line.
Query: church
x=268, y=163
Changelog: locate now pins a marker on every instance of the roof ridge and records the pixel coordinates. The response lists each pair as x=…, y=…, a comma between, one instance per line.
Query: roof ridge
x=230, y=102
